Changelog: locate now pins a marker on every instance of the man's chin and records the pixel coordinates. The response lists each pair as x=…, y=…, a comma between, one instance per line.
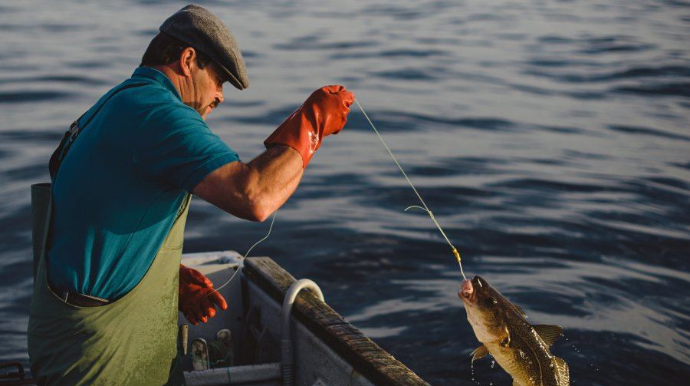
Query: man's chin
x=205, y=112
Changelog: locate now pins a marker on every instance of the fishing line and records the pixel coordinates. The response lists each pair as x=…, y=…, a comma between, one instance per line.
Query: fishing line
x=425, y=208
x=270, y=228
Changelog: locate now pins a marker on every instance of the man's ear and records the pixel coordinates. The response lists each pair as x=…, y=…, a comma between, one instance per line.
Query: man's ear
x=187, y=60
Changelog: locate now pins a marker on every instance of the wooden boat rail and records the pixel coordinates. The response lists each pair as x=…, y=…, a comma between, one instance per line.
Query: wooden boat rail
x=359, y=351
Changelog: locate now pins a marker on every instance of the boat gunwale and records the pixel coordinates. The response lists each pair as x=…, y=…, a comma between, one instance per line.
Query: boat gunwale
x=358, y=350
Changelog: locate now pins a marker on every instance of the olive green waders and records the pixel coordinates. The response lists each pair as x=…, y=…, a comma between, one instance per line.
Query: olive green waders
x=130, y=341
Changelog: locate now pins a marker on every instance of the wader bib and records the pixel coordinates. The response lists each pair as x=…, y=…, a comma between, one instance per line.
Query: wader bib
x=130, y=341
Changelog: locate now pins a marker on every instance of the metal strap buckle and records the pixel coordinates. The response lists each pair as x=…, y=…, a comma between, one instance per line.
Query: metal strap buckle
x=74, y=131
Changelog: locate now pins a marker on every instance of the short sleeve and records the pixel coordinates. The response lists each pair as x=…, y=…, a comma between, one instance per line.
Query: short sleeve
x=176, y=147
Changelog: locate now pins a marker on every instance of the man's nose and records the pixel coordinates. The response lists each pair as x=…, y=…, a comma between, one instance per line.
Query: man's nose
x=219, y=97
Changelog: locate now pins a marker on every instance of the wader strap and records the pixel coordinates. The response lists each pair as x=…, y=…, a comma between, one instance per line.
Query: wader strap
x=46, y=231
x=71, y=135
x=40, y=205
x=41, y=194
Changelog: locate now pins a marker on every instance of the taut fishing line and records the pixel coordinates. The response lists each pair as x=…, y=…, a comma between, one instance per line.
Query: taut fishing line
x=424, y=207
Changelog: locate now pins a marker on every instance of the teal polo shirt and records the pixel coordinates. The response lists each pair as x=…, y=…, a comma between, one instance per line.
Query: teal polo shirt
x=121, y=185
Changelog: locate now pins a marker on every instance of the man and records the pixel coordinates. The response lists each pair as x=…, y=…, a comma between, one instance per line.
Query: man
x=109, y=285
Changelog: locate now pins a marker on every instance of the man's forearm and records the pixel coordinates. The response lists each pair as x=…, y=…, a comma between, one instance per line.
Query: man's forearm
x=255, y=190
x=278, y=171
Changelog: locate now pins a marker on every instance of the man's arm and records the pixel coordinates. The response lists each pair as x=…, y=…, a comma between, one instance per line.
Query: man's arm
x=255, y=190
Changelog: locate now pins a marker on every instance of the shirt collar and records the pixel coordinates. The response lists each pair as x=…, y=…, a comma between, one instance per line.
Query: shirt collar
x=158, y=77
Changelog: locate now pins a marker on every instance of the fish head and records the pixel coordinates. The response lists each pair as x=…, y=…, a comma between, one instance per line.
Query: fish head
x=486, y=309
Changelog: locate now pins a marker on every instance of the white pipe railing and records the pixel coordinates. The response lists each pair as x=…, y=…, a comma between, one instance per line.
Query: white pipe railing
x=287, y=355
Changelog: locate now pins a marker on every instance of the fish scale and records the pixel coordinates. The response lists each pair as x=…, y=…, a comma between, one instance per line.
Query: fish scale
x=524, y=339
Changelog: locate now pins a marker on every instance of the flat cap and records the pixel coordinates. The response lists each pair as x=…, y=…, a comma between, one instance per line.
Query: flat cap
x=204, y=31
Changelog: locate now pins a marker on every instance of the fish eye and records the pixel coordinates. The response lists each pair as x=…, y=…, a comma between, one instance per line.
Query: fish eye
x=490, y=301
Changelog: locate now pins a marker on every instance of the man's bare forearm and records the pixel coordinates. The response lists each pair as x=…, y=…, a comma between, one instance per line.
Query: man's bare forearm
x=254, y=190
x=279, y=171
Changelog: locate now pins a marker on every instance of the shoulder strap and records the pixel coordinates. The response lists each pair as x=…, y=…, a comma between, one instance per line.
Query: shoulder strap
x=75, y=128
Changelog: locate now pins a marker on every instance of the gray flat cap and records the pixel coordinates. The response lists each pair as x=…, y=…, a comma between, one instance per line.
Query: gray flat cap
x=202, y=30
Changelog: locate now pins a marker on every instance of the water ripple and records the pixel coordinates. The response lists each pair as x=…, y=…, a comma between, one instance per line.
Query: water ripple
x=648, y=132
x=32, y=96
x=668, y=89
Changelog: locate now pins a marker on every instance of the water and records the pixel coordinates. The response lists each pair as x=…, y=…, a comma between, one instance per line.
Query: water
x=549, y=138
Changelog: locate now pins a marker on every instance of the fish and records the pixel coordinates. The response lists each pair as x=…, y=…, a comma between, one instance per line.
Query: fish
x=520, y=348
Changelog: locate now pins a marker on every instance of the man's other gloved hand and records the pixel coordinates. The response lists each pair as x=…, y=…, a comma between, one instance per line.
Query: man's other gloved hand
x=323, y=113
x=195, y=302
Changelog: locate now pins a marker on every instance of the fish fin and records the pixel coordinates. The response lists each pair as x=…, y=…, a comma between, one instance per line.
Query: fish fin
x=563, y=371
x=548, y=332
x=479, y=353
x=506, y=341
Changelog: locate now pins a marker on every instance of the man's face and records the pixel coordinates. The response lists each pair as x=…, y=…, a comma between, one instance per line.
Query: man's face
x=206, y=89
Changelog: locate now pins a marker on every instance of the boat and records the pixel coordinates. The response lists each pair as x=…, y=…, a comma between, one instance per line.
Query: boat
x=276, y=331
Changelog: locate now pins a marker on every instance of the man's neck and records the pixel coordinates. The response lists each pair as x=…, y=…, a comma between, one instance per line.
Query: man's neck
x=172, y=75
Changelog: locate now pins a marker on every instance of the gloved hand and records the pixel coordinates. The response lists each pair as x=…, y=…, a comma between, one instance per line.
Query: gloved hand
x=197, y=297
x=323, y=113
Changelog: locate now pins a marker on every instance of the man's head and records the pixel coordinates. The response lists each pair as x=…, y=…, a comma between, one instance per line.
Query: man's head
x=197, y=78
x=198, y=53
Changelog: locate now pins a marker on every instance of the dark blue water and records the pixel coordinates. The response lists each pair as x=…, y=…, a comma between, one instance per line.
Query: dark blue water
x=550, y=138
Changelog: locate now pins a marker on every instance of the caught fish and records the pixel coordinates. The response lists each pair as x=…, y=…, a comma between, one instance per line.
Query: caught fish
x=520, y=348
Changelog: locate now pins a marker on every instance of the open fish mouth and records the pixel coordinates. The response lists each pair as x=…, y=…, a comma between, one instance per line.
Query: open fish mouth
x=467, y=292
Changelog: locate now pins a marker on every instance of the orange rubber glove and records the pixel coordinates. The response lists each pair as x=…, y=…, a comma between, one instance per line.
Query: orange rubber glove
x=197, y=297
x=323, y=113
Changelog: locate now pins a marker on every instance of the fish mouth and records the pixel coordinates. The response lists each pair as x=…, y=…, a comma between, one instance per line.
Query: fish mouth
x=467, y=292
